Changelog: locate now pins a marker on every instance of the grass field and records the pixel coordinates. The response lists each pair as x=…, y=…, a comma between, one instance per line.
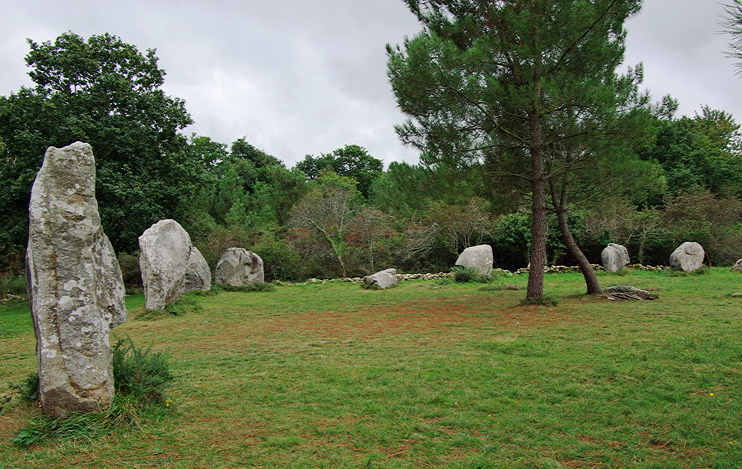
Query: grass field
x=426, y=375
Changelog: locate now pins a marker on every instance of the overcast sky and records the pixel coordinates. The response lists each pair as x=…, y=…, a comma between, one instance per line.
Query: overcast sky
x=299, y=77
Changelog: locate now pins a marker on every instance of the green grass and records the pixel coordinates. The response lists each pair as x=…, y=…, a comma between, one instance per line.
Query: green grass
x=427, y=375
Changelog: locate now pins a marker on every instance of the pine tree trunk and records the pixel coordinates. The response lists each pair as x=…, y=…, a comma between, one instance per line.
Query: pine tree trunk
x=538, y=223
x=560, y=207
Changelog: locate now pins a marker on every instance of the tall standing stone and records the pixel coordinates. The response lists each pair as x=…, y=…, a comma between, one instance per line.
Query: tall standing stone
x=479, y=257
x=239, y=267
x=198, y=274
x=75, y=286
x=688, y=257
x=165, y=249
x=615, y=257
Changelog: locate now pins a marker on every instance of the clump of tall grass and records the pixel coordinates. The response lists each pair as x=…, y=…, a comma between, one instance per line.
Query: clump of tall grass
x=463, y=274
x=140, y=378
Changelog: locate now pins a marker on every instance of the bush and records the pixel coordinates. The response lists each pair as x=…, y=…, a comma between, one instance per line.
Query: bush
x=13, y=284
x=130, y=271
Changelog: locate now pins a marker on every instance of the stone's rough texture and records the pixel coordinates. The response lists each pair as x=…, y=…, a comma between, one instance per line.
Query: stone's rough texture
x=479, y=257
x=239, y=267
x=165, y=248
x=198, y=274
x=737, y=267
x=627, y=292
x=688, y=257
x=615, y=257
x=383, y=279
x=75, y=286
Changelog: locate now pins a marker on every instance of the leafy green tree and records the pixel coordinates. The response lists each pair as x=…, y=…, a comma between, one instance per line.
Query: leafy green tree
x=107, y=93
x=702, y=152
x=326, y=214
x=495, y=81
x=350, y=161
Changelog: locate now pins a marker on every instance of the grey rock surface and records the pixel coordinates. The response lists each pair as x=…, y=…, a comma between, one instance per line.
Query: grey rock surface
x=627, y=292
x=382, y=279
x=75, y=286
x=164, y=250
x=198, y=274
x=239, y=267
x=478, y=257
x=614, y=257
x=737, y=267
x=688, y=257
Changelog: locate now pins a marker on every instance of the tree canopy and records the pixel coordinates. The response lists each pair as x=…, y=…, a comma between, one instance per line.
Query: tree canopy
x=107, y=93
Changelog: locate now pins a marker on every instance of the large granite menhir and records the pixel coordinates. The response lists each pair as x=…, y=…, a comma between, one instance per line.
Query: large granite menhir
x=688, y=257
x=615, y=257
x=198, y=273
x=239, y=267
x=164, y=251
x=479, y=257
x=75, y=286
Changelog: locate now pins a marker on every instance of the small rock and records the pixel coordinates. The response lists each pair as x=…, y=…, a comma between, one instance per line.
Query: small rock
x=382, y=280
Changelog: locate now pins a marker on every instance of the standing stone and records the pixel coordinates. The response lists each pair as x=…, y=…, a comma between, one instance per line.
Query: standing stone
x=615, y=257
x=165, y=248
x=198, y=274
x=478, y=257
x=382, y=280
x=75, y=286
x=737, y=267
x=239, y=267
x=688, y=257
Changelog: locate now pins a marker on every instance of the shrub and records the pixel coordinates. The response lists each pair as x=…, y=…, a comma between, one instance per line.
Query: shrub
x=130, y=271
x=13, y=284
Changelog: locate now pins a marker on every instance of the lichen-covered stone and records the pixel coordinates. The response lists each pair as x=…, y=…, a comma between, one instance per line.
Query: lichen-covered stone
x=239, y=267
x=198, y=274
x=381, y=280
x=165, y=249
x=688, y=257
x=479, y=257
x=615, y=257
x=75, y=286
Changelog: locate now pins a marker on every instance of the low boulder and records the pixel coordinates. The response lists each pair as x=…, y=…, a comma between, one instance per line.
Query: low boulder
x=614, y=257
x=479, y=257
x=627, y=292
x=688, y=257
x=239, y=267
x=737, y=267
x=382, y=279
x=198, y=274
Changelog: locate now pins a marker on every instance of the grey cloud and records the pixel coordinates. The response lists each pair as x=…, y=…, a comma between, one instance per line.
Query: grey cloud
x=298, y=77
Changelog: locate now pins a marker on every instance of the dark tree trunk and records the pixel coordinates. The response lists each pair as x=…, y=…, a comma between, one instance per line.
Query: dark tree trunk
x=560, y=207
x=538, y=223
